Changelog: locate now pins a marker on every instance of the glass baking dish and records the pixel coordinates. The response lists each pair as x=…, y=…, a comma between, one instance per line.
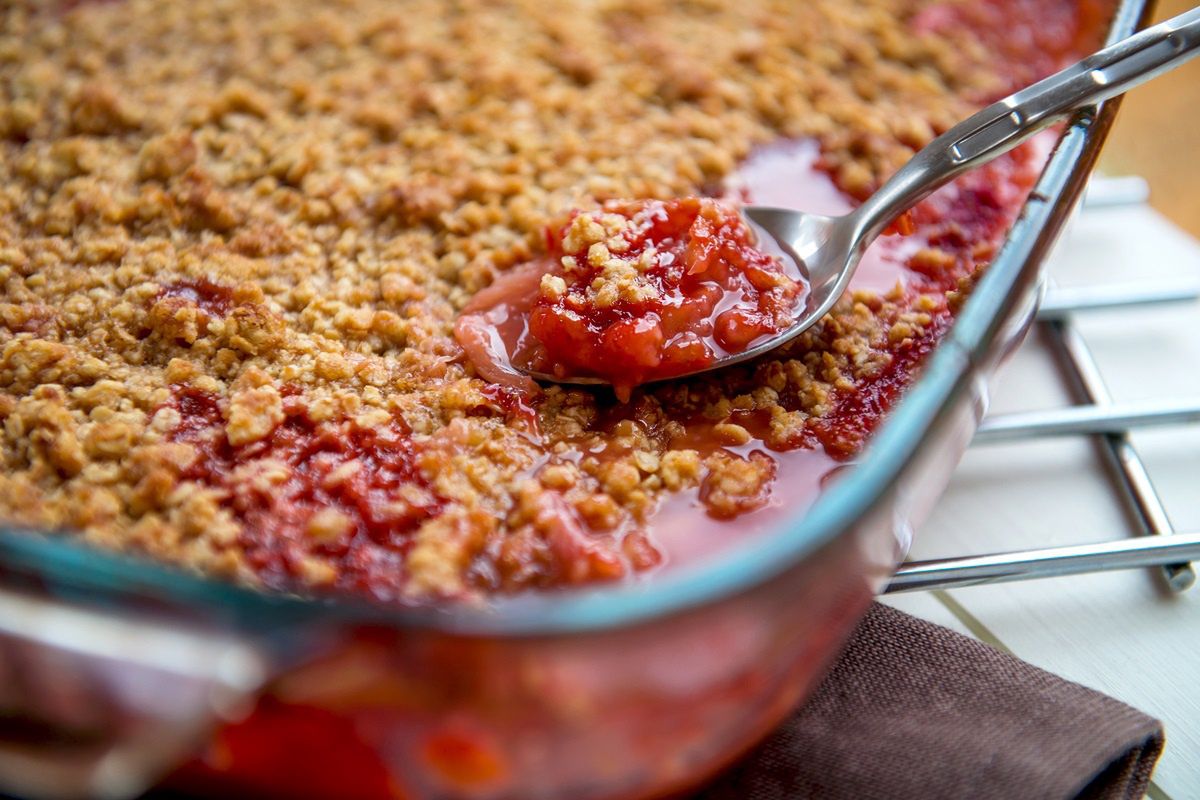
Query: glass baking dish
x=120, y=673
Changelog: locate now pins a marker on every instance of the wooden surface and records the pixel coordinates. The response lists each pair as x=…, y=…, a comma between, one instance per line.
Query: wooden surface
x=1157, y=136
x=1119, y=633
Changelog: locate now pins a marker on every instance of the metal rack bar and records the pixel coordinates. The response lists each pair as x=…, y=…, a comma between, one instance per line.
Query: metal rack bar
x=1084, y=420
x=948, y=573
x=1061, y=301
x=1126, y=466
x=1108, y=191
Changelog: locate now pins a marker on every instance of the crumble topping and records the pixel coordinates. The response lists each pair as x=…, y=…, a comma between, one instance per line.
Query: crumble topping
x=235, y=237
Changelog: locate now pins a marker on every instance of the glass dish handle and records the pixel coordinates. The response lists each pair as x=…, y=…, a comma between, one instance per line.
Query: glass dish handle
x=94, y=704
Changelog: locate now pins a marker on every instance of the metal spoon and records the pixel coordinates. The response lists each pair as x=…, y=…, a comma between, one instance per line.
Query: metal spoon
x=828, y=249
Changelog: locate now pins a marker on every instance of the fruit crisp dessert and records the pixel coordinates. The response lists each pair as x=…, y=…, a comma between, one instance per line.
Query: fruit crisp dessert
x=237, y=238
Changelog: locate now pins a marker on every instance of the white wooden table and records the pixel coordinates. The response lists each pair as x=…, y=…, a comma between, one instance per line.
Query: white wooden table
x=1118, y=632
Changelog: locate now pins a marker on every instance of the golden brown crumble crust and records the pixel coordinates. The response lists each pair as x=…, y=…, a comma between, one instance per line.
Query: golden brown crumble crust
x=274, y=200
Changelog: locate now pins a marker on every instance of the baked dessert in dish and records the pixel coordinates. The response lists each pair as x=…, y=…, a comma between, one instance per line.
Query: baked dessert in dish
x=237, y=239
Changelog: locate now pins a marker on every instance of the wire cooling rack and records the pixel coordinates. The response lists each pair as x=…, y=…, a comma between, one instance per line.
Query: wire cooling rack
x=1156, y=545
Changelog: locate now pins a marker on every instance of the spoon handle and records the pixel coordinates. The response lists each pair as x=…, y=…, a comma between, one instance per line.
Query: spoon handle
x=1008, y=122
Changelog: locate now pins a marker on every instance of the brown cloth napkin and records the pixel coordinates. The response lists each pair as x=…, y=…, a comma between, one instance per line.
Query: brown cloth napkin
x=914, y=710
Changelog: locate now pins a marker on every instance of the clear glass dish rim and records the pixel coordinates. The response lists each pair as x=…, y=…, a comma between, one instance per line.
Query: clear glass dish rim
x=69, y=568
